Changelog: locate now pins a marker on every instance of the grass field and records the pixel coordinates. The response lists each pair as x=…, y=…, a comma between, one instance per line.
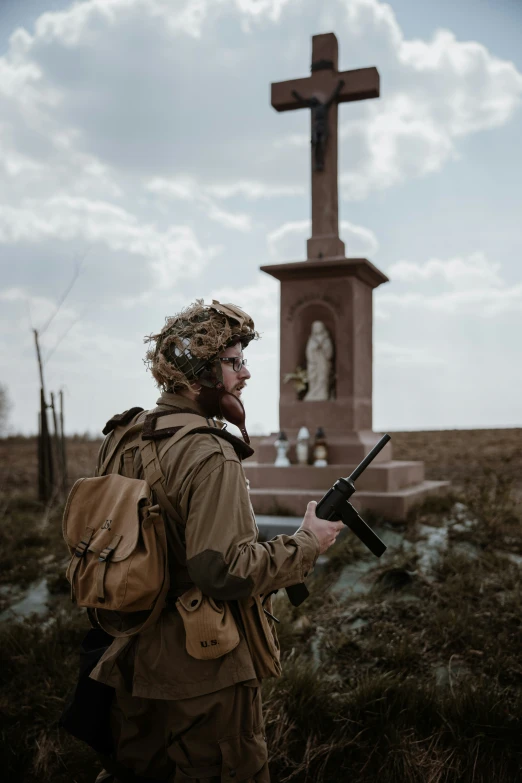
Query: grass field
x=417, y=680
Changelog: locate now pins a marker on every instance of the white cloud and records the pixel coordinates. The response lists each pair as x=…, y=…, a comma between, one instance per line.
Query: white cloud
x=472, y=272
x=288, y=242
x=272, y=9
x=252, y=190
x=434, y=92
x=172, y=254
x=480, y=302
x=260, y=297
x=478, y=288
x=182, y=16
x=298, y=140
x=399, y=140
x=181, y=187
x=239, y=222
x=188, y=189
x=388, y=354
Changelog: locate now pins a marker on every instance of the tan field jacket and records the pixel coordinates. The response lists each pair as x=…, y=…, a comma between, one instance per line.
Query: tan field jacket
x=206, y=483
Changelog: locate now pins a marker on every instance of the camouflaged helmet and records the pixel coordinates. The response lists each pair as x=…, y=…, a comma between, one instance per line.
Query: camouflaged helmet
x=191, y=341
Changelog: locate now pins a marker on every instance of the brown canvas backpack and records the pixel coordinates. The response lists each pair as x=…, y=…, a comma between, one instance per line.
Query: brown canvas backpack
x=113, y=523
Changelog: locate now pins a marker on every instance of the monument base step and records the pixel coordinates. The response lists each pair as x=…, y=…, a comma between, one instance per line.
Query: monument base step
x=385, y=477
x=392, y=505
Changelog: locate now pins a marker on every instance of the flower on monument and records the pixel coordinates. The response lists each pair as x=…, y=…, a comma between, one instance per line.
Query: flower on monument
x=299, y=378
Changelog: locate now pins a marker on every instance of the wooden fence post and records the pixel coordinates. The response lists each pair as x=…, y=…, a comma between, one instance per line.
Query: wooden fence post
x=63, y=447
x=45, y=455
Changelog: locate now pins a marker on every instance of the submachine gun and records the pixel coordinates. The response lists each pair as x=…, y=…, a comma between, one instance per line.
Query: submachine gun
x=335, y=506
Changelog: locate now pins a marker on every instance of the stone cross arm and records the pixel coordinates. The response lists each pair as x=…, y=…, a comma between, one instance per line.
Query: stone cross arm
x=358, y=85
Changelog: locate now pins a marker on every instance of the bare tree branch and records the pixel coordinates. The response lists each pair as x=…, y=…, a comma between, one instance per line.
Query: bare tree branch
x=64, y=335
x=64, y=295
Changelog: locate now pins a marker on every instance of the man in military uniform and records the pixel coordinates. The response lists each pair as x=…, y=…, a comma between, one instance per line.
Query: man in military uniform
x=175, y=717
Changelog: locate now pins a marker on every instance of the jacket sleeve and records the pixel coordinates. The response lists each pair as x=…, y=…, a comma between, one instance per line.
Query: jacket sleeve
x=224, y=558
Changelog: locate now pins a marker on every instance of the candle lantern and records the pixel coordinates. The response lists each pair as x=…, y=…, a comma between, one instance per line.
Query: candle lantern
x=282, y=445
x=302, y=446
x=320, y=449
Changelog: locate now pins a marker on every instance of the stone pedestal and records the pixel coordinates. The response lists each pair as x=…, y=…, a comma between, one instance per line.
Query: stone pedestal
x=338, y=292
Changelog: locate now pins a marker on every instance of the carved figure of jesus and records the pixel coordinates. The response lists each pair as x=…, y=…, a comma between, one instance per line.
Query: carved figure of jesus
x=319, y=355
x=319, y=112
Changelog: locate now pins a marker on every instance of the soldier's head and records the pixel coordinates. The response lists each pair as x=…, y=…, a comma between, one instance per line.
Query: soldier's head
x=199, y=354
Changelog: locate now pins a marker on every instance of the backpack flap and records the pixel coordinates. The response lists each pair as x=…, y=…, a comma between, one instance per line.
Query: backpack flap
x=115, y=537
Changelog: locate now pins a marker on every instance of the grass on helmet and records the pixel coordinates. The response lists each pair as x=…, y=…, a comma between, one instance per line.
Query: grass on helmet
x=197, y=332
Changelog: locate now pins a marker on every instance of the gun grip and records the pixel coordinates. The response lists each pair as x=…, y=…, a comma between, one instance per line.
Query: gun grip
x=297, y=593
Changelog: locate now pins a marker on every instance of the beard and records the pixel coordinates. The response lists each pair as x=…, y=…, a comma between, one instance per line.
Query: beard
x=209, y=401
x=221, y=404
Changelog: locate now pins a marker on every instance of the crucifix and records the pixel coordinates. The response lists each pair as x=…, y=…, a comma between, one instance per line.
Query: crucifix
x=321, y=93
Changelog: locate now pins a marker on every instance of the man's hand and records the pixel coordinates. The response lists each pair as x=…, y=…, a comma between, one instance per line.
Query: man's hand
x=325, y=531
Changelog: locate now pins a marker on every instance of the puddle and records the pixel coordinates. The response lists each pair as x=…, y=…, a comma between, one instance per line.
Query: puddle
x=351, y=580
x=512, y=556
x=34, y=601
x=448, y=675
x=466, y=548
x=353, y=625
x=432, y=544
x=394, y=539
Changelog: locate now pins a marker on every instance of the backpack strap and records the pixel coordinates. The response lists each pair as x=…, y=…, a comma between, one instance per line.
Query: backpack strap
x=155, y=478
x=120, y=418
x=171, y=423
x=132, y=427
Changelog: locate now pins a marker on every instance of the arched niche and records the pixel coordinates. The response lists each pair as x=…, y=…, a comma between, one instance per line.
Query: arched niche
x=303, y=320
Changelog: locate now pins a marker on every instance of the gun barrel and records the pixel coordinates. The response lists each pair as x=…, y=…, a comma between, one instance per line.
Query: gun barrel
x=369, y=457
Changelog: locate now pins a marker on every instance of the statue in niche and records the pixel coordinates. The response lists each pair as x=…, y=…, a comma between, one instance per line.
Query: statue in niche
x=319, y=356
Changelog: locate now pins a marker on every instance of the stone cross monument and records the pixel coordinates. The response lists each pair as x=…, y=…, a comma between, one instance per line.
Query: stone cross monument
x=326, y=331
x=328, y=293
x=321, y=93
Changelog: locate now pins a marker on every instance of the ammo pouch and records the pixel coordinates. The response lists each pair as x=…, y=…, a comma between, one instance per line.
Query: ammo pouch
x=261, y=636
x=117, y=540
x=210, y=628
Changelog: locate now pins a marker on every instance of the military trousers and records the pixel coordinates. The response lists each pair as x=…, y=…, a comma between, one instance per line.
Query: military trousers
x=212, y=738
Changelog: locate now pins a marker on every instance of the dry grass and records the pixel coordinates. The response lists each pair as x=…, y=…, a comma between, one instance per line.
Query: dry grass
x=461, y=455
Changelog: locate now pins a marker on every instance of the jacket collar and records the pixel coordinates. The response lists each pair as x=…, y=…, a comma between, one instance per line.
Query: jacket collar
x=173, y=400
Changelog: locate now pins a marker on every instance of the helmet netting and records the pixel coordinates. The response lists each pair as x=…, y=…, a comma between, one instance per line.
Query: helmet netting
x=196, y=333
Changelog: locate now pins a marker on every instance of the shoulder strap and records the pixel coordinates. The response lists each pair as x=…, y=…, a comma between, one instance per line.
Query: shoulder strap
x=172, y=422
x=155, y=478
x=133, y=427
x=176, y=425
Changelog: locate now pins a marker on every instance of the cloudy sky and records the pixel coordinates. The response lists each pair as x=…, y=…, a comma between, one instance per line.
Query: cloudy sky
x=139, y=150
